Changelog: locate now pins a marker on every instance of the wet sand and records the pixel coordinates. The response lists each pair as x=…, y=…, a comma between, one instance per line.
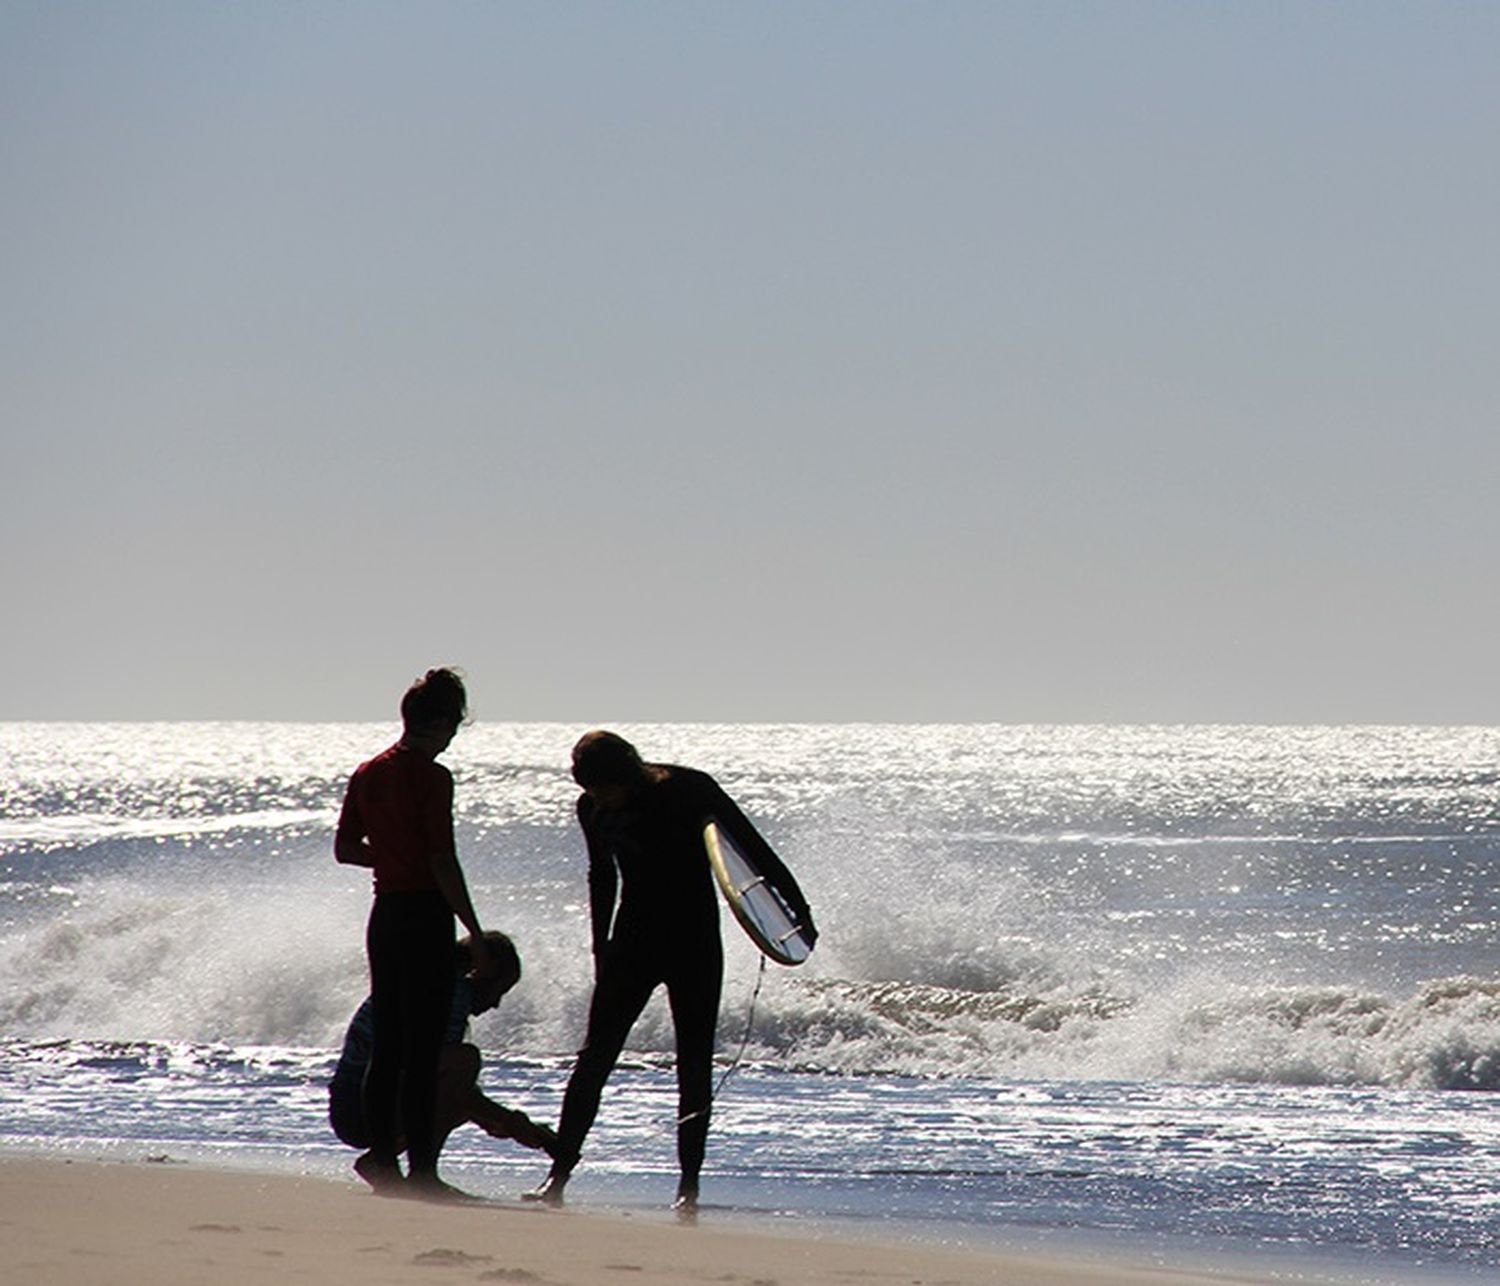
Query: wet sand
x=80, y=1223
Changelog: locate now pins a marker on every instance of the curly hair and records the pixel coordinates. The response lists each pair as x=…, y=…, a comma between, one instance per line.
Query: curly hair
x=437, y=697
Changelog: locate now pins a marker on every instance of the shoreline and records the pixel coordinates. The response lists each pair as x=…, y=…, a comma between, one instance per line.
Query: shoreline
x=77, y=1222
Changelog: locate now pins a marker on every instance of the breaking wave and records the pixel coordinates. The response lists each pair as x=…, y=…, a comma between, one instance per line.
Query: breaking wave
x=286, y=969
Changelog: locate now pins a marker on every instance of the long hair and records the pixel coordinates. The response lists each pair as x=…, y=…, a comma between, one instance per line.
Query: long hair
x=606, y=759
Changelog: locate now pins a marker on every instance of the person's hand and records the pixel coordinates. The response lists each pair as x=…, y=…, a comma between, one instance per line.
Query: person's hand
x=481, y=956
x=531, y=1135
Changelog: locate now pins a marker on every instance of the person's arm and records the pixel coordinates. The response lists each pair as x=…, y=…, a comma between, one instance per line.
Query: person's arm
x=506, y=1123
x=349, y=845
x=455, y=889
x=604, y=879
x=449, y=875
x=727, y=814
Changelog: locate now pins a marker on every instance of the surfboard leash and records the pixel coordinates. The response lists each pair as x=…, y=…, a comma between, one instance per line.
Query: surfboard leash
x=739, y=1054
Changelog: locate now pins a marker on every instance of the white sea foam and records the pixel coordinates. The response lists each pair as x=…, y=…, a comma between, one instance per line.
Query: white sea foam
x=151, y=959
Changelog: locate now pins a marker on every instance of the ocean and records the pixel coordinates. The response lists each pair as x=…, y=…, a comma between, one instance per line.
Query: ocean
x=1201, y=992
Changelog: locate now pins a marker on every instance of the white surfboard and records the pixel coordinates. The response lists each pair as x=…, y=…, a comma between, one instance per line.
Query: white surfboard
x=759, y=907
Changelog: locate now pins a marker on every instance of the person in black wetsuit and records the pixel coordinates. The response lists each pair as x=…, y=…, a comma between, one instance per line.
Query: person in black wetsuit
x=643, y=825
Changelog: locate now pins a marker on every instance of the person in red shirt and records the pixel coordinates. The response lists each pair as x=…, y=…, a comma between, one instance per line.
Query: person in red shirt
x=397, y=818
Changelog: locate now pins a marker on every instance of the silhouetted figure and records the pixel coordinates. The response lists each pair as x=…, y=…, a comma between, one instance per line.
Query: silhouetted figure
x=398, y=819
x=643, y=825
x=459, y=1098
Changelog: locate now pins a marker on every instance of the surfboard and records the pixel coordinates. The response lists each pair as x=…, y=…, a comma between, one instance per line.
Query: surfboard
x=757, y=904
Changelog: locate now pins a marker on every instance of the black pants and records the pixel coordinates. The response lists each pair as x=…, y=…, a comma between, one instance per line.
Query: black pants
x=410, y=944
x=628, y=973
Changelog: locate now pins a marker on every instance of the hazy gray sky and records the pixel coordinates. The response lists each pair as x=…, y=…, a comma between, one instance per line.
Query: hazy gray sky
x=1018, y=362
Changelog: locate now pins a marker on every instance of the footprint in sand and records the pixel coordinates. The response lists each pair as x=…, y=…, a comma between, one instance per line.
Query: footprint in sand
x=449, y=1259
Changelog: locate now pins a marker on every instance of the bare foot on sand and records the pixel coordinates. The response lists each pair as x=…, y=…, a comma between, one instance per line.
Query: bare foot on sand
x=550, y=1193
x=428, y=1187
x=384, y=1176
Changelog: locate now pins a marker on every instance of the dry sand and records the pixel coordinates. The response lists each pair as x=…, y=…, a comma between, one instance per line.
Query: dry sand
x=67, y=1223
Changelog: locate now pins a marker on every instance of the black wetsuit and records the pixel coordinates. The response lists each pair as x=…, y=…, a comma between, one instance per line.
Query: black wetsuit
x=666, y=931
x=410, y=944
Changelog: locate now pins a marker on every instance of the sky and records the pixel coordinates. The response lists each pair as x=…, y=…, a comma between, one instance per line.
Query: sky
x=1017, y=362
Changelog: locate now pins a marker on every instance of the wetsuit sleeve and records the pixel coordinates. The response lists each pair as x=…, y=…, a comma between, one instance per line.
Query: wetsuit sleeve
x=446, y=873
x=604, y=879
x=438, y=814
x=726, y=813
